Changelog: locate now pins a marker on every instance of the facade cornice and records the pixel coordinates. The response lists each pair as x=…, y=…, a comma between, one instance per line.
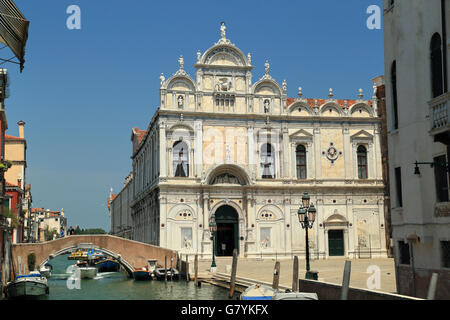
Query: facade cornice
x=263, y=117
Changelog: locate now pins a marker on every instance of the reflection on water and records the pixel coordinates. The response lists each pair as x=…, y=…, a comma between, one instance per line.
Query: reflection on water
x=117, y=286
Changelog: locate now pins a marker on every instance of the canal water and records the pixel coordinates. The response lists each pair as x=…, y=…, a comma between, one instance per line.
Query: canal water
x=117, y=286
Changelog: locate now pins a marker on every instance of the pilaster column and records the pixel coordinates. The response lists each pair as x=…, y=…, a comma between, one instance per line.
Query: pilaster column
x=293, y=174
x=251, y=150
x=285, y=152
x=347, y=155
x=162, y=149
x=288, y=221
x=371, y=160
x=198, y=145
x=317, y=145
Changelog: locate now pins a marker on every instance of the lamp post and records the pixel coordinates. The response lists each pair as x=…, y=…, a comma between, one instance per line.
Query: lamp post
x=307, y=216
x=213, y=229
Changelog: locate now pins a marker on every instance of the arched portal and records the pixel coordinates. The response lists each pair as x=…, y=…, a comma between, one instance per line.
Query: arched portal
x=227, y=237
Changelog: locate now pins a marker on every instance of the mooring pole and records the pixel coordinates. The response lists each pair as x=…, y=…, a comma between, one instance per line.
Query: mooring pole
x=233, y=274
x=171, y=268
x=196, y=270
x=295, y=275
x=165, y=268
x=432, y=287
x=346, y=280
x=276, y=275
x=187, y=268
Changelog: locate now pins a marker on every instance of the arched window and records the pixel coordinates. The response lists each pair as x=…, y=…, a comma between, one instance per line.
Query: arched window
x=180, y=159
x=300, y=155
x=362, y=162
x=394, y=94
x=437, y=76
x=267, y=161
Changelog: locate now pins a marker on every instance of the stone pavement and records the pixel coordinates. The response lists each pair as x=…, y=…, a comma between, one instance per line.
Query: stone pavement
x=330, y=270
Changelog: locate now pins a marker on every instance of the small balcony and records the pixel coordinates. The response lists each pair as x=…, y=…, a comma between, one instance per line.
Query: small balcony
x=439, y=117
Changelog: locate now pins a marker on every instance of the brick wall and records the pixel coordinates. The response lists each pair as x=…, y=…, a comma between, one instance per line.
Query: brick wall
x=422, y=279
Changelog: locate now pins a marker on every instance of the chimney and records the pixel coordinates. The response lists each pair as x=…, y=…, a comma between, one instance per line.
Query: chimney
x=21, y=132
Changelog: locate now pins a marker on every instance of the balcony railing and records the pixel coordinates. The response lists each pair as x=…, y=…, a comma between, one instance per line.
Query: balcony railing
x=439, y=113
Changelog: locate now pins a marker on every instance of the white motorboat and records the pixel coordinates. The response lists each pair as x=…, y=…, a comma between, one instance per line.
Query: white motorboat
x=30, y=285
x=258, y=292
x=46, y=270
x=295, y=296
x=86, y=271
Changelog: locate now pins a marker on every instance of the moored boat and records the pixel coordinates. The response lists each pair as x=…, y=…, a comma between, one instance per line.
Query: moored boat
x=142, y=274
x=78, y=254
x=46, y=270
x=30, y=285
x=258, y=292
x=295, y=296
x=172, y=273
x=86, y=271
x=106, y=265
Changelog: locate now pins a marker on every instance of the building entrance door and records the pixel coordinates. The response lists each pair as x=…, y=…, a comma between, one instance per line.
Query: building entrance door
x=336, y=243
x=227, y=237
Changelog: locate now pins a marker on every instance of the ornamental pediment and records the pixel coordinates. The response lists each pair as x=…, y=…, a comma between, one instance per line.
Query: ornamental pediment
x=301, y=135
x=362, y=135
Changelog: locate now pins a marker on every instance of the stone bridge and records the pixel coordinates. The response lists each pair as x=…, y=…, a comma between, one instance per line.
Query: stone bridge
x=130, y=254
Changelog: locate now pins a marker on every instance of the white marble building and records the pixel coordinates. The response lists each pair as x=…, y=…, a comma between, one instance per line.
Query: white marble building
x=222, y=143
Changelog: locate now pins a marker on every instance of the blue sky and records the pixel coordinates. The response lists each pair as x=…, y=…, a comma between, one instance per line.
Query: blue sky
x=82, y=91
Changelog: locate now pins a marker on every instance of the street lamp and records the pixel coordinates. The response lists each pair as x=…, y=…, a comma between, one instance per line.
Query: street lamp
x=213, y=229
x=307, y=216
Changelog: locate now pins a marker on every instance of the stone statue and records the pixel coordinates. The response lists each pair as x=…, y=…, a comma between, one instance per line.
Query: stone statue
x=181, y=62
x=180, y=101
x=223, y=30
x=162, y=78
x=199, y=55
x=266, y=106
x=249, y=57
x=284, y=85
x=267, y=67
x=187, y=243
x=228, y=153
x=300, y=93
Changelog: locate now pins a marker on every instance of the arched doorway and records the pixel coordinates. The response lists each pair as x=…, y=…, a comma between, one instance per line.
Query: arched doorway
x=227, y=237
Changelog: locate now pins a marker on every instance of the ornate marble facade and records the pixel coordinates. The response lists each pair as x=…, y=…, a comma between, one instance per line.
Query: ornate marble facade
x=246, y=152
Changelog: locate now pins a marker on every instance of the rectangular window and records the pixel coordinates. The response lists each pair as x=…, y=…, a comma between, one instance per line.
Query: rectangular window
x=445, y=254
x=398, y=186
x=394, y=94
x=440, y=177
x=403, y=249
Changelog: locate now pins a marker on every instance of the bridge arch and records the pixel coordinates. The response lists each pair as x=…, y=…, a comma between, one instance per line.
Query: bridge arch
x=130, y=254
x=125, y=264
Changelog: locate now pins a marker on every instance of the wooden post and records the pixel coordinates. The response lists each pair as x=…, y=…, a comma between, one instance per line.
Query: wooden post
x=346, y=280
x=276, y=275
x=165, y=268
x=233, y=274
x=171, y=268
x=196, y=270
x=432, y=287
x=187, y=268
x=295, y=275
